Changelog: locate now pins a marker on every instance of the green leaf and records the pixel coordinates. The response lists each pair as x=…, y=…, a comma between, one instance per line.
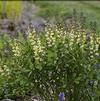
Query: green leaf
x=77, y=80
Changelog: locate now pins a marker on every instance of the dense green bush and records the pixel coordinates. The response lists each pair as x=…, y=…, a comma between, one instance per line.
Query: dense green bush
x=56, y=61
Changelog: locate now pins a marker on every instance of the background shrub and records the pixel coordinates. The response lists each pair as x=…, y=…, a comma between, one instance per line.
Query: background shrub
x=10, y=9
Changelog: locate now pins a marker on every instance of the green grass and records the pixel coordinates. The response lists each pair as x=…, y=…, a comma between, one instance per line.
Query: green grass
x=63, y=8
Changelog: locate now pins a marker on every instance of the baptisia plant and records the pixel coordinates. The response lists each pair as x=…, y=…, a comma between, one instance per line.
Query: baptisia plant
x=57, y=60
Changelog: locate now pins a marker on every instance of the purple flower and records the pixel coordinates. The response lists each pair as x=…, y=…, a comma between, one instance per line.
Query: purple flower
x=61, y=96
x=91, y=82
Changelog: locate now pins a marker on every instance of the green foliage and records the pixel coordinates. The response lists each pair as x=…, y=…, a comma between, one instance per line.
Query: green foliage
x=10, y=9
x=49, y=9
x=56, y=61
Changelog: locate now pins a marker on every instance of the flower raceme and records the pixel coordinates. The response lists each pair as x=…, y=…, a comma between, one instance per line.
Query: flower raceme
x=50, y=38
x=36, y=45
x=16, y=49
x=38, y=50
